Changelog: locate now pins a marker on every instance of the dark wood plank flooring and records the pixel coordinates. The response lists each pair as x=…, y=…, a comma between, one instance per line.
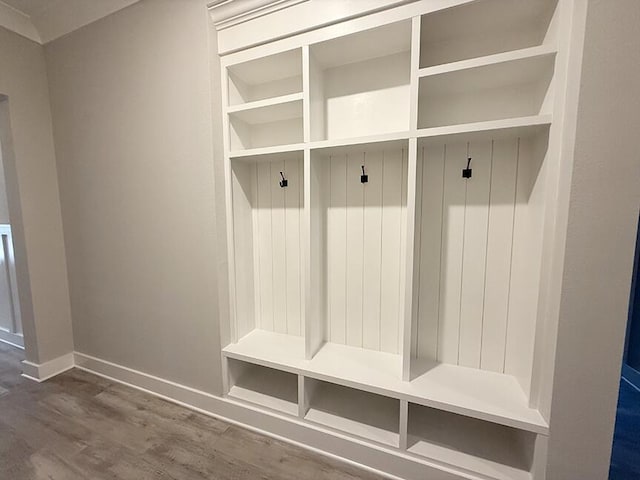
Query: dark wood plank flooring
x=80, y=426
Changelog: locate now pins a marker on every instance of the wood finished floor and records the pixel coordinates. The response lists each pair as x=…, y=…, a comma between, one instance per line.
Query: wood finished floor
x=80, y=426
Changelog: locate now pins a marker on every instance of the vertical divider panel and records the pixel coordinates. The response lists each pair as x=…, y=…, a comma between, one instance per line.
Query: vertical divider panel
x=307, y=387
x=231, y=335
x=415, y=67
x=408, y=308
x=303, y=402
x=404, y=425
x=308, y=242
x=306, y=94
x=314, y=241
x=409, y=312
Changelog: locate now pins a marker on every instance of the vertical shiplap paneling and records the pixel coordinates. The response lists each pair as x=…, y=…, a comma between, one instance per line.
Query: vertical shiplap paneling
x=499, y=247
x=242, y=197
x=372, y=251
x=337, y=250
x=432, y=181
x=526, y=260
x=293, y=195
x=364, y=236
x=276, y=220
x=467, y=237
x=265, y=245
x=355, y=250
x=404, y=192
x=453, y=216
x=474, y=253
x=280, y=252
x=392, y=186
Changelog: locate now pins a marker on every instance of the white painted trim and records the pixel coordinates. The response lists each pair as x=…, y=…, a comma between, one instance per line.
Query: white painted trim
x=18, y=22
x=45, y=371
x=13, y=339
x=227, y=13
x=389, y=462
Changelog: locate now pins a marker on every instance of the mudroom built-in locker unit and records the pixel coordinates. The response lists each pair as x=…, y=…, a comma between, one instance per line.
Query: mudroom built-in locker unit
x=389, y=185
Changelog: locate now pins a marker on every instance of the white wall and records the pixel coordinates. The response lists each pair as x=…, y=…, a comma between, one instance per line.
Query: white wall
x=131, y=99
x=32, y=190
x=600, y=240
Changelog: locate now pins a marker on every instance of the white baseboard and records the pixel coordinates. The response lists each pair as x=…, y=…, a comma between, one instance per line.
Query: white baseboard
x=378, y=459
x=44, y=371
x=13, y=339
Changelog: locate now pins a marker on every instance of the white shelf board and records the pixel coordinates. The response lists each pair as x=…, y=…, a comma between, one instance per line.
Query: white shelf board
x=373, y=142
x=521, y=126
x=475, y=393
x=243, y=107
x=522, y=71
x=266, y=111
x=498, y=58
x=264, y=152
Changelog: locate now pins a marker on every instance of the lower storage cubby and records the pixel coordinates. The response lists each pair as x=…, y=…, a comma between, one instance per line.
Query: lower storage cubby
x=263, y=386
x=483, y=447
x=355, y=412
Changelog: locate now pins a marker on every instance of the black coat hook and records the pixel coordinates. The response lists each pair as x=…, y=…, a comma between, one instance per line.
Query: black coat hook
x=284, y=182
x=364, y=178
x=467, y=172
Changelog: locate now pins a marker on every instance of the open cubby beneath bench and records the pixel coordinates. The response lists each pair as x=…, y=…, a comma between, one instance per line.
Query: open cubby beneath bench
x=352, y=411
x=263, y=386
x=504, y=451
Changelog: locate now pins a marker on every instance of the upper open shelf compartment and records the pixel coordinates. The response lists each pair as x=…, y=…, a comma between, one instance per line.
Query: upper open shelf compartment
x=518, y=88
x=267, y=77
x=485, y=27
x=359, y=83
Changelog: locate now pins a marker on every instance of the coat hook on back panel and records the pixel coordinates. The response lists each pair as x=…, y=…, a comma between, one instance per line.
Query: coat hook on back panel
x=364, y=178
x=284, y=182
x=467, y=172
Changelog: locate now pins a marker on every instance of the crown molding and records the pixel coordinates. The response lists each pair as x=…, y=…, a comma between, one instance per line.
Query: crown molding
x=227, y=13
x=17, y=22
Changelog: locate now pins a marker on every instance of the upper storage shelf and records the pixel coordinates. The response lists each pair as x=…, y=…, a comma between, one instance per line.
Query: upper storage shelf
x=518, y=88
x=266, y=77
x=359, y=84
x=485, y=27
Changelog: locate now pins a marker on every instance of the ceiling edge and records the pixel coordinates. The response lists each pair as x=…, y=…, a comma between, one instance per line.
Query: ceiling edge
x=17, y=22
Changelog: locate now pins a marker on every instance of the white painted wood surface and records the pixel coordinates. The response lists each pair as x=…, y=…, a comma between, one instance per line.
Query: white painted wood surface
x=266, y=387
x=472, y=256
x=364, y=236
x=476, y=393
x=355, y=412
x=268, y=245
x=486, y=448
x=418, y=285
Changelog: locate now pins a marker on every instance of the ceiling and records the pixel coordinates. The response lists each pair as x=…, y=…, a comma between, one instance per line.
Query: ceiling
x=46, y=20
